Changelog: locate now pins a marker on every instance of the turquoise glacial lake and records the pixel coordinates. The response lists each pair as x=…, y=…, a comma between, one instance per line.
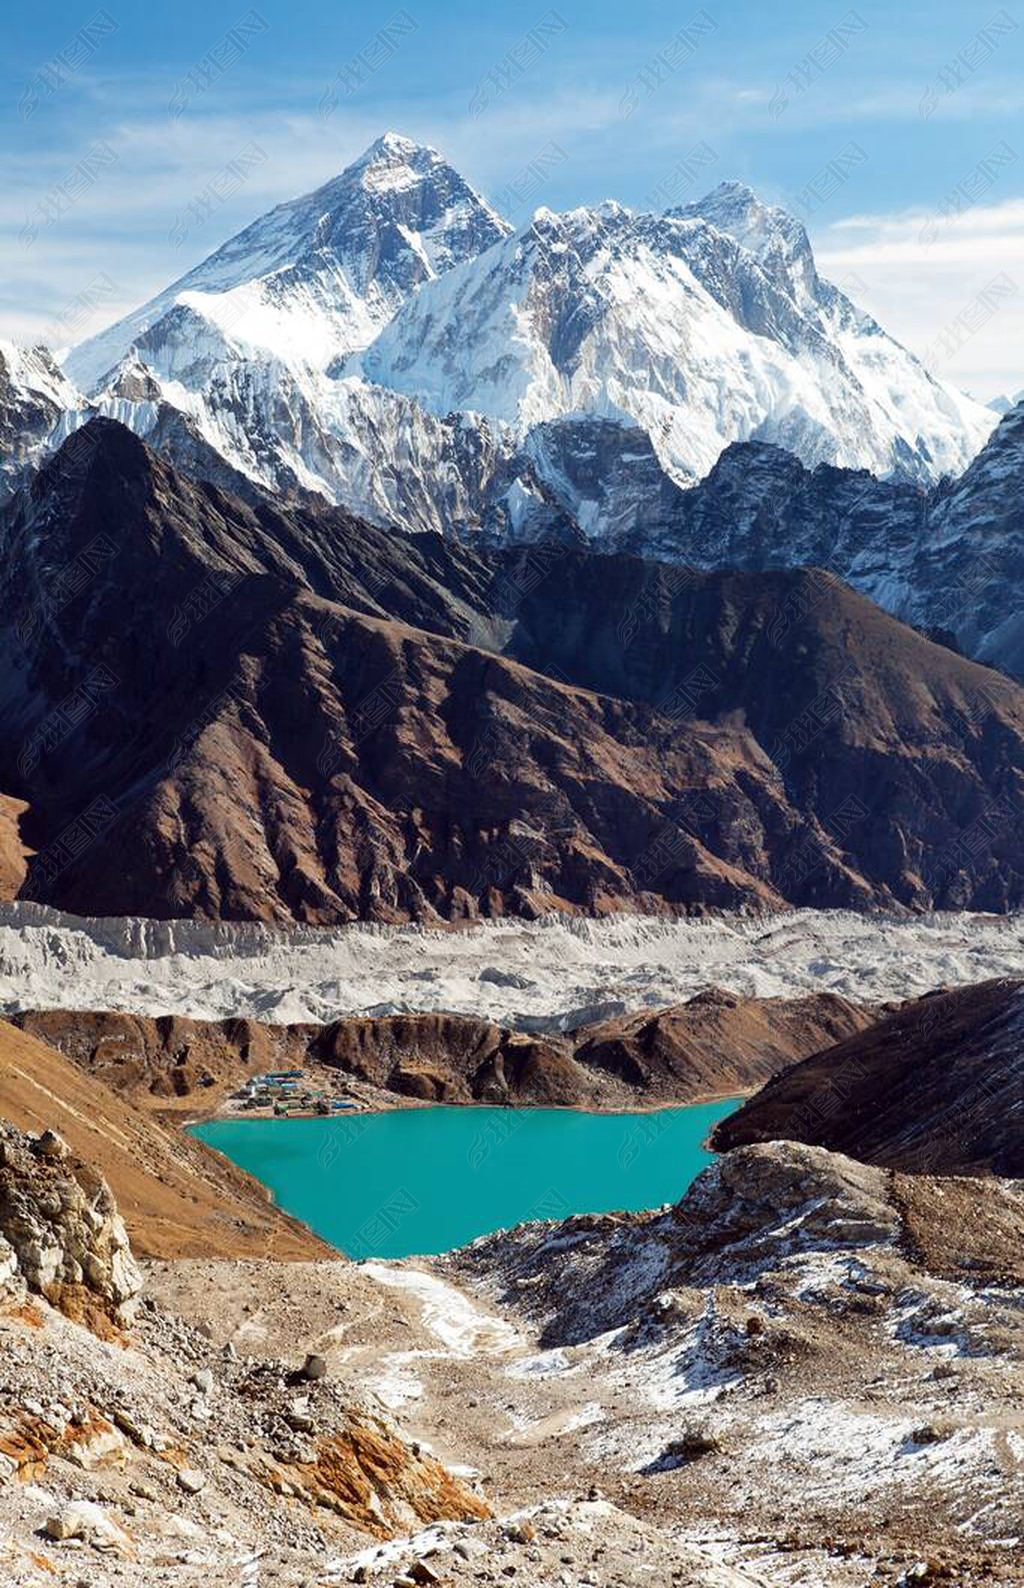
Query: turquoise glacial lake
x=422, y=1180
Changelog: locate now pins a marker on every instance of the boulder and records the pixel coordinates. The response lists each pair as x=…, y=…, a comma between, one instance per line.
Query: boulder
x=89, y=1522
x=191, y=1481
x=59, y=1220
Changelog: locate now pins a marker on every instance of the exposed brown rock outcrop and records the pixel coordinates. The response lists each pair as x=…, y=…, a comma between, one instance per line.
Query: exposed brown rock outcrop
x=717, y=1042
x=13, y=858
x=176, y=1197
x=713, y=1045
x=369, y=1476
x=61, y=1235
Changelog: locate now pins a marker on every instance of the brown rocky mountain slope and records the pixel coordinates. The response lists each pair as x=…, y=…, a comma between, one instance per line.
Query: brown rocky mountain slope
x=13, y=860
x=240, y=710
x=905, y=753
x=935, y=1087
x=716, y=1044
x=177, y=1197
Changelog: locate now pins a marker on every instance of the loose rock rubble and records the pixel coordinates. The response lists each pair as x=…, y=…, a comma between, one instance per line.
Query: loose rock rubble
x=125, y=1433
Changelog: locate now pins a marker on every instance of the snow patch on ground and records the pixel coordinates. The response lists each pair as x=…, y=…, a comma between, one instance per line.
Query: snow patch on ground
x=462, y=1326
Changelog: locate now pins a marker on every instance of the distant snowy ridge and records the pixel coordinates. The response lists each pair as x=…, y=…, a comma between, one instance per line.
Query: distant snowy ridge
x=702, y=326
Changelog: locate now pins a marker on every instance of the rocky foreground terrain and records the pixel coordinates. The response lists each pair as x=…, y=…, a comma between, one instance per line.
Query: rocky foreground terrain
x=807, y=1372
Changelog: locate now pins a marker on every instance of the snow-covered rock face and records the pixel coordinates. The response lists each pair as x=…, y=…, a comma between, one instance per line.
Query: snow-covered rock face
x=949, y=559
x=37, y=408
x=386, y=342
x=317, y=278
x=703, y=326
x=775, y=238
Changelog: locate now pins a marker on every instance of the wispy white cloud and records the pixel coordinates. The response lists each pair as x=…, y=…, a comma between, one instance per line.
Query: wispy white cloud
x=123, y=223
x=938, y=296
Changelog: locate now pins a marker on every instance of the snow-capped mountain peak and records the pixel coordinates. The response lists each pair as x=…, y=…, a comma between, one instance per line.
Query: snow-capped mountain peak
x=735, y=208
x=388, y=341
x=777, y=239
x=703, y=326
x=317, y=277
x=36, y=404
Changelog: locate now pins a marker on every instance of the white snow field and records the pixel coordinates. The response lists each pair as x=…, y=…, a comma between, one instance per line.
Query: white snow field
x=518, y=973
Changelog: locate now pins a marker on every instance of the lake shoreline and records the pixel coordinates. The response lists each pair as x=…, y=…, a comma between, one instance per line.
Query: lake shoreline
x=402, y=1104
x=421, y=1181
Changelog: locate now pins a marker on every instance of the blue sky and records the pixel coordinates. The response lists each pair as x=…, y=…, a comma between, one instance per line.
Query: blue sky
x=919, y=221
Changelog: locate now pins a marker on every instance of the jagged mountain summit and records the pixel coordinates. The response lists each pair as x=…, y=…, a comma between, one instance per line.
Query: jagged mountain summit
x=1002, y=405
x=389, y=343
x=315, y=278
x=949, y=559
x=701, y=326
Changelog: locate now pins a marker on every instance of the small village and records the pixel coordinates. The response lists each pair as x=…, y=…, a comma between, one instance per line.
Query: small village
x=288, y=1094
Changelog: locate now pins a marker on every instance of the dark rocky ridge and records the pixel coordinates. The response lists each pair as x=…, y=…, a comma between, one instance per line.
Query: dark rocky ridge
x=936, y=1087
x=948, y=558
x=252, y=711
